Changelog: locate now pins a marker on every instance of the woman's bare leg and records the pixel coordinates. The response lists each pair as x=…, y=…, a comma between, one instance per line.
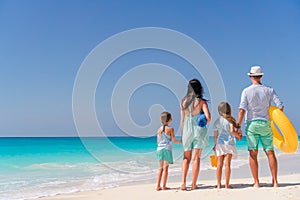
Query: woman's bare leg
x=185, y=167
x=196, y=167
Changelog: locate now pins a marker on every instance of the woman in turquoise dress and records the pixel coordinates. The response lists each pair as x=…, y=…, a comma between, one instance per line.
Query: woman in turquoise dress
x=194, y=137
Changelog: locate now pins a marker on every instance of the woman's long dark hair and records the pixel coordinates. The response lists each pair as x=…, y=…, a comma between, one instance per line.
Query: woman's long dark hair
x=195, y=90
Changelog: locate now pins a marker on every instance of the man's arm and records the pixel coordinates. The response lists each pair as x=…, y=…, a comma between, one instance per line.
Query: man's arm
x=241, y=115
x=277, y=101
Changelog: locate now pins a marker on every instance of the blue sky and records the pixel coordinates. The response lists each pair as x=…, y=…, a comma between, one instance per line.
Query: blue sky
x=43, y=44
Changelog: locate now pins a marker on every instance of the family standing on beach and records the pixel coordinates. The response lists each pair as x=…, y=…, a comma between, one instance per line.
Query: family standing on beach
x=255, y=102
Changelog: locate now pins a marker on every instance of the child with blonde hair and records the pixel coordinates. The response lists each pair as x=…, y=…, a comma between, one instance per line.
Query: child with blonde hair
x=224, y=142
x=165, y=137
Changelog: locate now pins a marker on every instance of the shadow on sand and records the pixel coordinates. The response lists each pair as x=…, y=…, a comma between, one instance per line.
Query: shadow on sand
x=236, y=186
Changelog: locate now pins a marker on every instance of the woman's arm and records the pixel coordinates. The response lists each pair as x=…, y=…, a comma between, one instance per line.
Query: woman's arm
x=206, y=111
x=182, y=114
x=173, y=136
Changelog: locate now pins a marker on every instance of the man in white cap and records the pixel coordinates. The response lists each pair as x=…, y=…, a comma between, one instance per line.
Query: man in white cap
x=256, y=100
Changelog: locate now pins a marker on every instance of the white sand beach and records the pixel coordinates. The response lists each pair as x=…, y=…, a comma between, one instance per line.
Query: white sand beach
x=288, y=177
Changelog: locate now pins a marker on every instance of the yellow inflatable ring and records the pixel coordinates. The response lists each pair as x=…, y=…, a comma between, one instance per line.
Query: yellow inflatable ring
x=288, y=140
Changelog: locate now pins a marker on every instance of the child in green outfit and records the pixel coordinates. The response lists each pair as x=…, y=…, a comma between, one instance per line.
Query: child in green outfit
x=165, y=137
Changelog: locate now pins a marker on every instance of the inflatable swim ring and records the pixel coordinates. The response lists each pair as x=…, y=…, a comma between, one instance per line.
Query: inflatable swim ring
x=287, y=141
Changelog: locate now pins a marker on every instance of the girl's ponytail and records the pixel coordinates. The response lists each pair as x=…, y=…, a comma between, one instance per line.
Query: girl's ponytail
x=163, y=130
x=225, y=111
x=164, y=118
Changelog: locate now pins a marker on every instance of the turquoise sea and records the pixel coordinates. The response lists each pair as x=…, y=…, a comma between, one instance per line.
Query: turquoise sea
x=37, y=167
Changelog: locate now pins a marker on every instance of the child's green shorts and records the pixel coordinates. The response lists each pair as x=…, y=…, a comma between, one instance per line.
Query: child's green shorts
x=259, y=130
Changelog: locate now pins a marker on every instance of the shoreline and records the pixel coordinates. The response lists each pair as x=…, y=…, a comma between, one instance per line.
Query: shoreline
x=241, y=180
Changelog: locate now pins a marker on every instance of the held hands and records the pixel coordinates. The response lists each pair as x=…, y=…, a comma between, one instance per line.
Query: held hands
x=240, y=135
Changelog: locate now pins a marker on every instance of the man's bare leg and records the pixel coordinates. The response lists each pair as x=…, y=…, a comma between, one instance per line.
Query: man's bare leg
x=273, y=167
x=254, y=166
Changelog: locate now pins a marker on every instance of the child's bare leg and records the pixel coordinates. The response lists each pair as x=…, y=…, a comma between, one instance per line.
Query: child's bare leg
x=185, y=167
x=219, y=170
x=159, y=175
x=165, y=175
x=227, y=170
